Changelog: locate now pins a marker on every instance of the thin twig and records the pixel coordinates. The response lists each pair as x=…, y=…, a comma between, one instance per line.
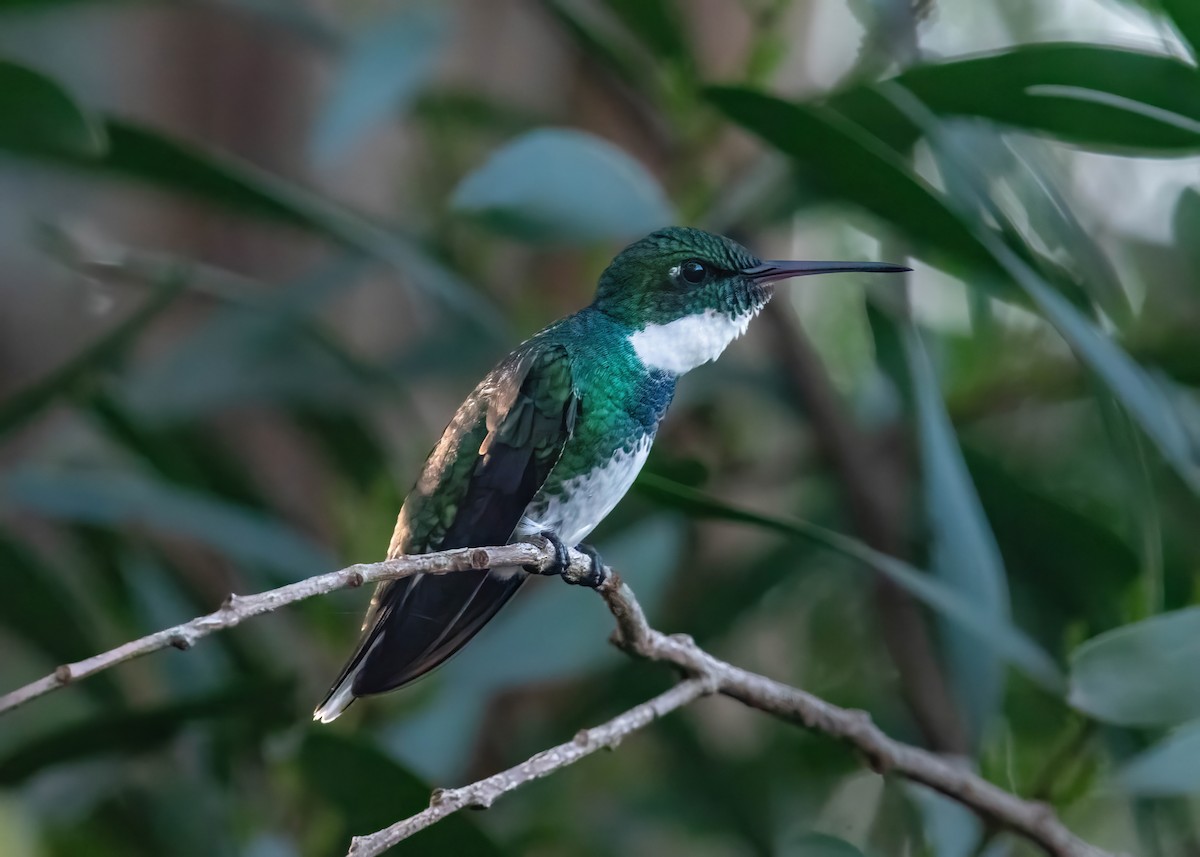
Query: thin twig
x=1034, y=820
x=238, y=608
x=484, y=792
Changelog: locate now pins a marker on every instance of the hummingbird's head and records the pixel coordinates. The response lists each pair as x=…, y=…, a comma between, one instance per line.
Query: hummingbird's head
x=685, y=294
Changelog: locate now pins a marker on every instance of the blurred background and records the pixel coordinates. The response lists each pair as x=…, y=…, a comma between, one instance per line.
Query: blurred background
x=254, y=254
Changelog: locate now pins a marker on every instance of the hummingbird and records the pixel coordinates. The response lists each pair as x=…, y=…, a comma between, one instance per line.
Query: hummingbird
x=553, y=437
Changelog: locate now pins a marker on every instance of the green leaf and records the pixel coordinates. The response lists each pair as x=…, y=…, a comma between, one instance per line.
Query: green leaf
x=1145, y=400
x=1104, y=98
x=1008, y=641
x=372, y=791
x=123, y=500
x=563, y=186
x=38, y=116
x=47, y=614
x=963, y=550
x=867, y=172
x=131, y=732
x=1142, y=674
x=1076, y=565
x=1170, y=767
x=139, y=153
x=77, y=371
x=659, y=27
x=838, y=159
x=387, y=63
x=1186, y=16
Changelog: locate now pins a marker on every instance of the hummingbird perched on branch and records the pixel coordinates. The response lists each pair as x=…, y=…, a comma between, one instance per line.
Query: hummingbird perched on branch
x=553, y=437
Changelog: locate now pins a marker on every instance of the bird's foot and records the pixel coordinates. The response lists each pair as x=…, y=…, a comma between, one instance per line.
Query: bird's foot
x=562, y=556
x=561, y=564
x=595, y=575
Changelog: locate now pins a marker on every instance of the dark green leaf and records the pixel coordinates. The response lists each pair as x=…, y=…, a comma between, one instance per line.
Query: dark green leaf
x=658, y=25
x=963, y=551
x=47, y=614
x=1008, y=641
x=386, y=64
x=131, y=732
x=1074, y=563
x=1101, y=97
x=67, y=379
x=139, y=153
x=840, y=160
x=372, y=791
x=1142, y=674
x=37, y=116
x=1170, y=767
x=1145, y=400
x=1186, y=16
x=558, y=185
x=124, y=500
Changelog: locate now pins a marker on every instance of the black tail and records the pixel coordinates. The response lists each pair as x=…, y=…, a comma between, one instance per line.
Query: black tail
x=414, y=625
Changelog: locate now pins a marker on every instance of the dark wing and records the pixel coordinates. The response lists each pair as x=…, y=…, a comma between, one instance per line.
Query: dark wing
x=492, y=460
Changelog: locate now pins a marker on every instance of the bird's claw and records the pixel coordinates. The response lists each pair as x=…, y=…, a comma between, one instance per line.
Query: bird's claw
x=562, y=556
x=561, y=564
x=595, y=574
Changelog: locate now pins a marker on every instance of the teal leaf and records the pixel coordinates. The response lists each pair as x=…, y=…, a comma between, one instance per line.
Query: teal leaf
x=963, y=550
x=1170, y=767
x=818, y=845
x=1008, y=641
x=372, y=791
x=122, y=500
x=563, y=186
x=38, y=116
x=386, y=65
x=1104, y=98
x=1143, y=674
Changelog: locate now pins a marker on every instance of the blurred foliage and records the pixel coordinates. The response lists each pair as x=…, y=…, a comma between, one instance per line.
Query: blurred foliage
x=183, y=416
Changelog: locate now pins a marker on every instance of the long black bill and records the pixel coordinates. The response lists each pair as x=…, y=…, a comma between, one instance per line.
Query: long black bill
x=772, y=271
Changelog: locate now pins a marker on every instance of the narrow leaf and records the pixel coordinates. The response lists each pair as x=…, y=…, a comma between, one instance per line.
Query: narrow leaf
x=658, y=25
x=964, y=554
x=1008, y=641
x=1105, y=98
x=1186, y=16
x=38, y=116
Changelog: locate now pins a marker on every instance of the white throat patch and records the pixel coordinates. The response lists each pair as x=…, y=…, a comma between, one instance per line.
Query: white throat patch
x=685, y=343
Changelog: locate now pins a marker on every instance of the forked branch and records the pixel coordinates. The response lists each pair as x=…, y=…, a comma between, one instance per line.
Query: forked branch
x=705, y=674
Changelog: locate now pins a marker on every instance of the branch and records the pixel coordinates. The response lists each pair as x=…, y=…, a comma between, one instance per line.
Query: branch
x=483, y=793
x=707, y=674
x=238, y=608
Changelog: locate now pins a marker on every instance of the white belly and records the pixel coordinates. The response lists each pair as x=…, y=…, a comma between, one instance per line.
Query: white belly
x=587, y=499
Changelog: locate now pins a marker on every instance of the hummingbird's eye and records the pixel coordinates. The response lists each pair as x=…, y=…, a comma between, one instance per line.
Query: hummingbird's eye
x=693, y=272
